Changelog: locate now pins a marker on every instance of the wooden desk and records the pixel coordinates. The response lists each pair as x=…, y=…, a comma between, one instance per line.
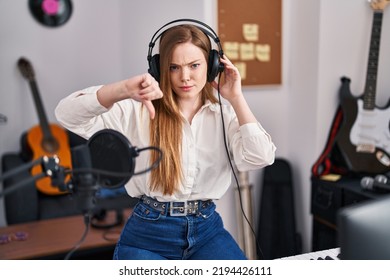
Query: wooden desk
x=56, y=237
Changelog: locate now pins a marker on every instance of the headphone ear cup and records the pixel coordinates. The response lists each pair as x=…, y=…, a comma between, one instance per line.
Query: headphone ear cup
x=214, y=66
x=154, y=67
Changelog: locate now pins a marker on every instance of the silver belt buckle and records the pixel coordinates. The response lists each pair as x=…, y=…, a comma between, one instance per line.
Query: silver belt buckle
x=178, y=210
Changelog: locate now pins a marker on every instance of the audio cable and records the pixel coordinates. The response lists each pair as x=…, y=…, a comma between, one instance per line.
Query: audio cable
x=234, y=173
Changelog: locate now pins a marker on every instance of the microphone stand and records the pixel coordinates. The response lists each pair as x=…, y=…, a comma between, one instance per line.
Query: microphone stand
x=50, y=168
x=86, y=183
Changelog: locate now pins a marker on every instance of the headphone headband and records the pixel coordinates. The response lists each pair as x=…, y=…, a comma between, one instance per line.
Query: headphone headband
x=209, y=31
x=215, y=66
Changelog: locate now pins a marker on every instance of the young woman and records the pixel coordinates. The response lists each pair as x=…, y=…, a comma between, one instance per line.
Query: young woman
x=176, y=217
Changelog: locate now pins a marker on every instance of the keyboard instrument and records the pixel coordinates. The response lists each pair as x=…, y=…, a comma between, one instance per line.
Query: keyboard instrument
x=329, y=254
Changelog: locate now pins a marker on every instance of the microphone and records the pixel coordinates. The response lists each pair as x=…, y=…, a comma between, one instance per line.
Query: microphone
x=379, y=183
x=106, y=160
x=83, y=184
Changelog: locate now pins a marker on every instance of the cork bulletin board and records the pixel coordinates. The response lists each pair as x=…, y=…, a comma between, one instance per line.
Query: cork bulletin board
x=251, y=33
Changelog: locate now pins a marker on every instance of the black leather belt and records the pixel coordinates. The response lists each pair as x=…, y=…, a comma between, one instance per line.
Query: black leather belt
x=177, y=208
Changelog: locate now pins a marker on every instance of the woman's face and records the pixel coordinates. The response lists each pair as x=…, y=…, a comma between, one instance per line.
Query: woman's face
x=188, y=70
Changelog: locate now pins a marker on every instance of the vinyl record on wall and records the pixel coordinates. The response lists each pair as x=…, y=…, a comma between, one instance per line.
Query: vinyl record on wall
x=51, y=13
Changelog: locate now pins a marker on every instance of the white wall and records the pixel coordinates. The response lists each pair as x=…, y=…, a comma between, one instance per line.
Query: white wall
x=322, y=41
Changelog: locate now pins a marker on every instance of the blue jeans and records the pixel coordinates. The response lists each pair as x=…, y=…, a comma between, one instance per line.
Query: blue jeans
x=152, y=235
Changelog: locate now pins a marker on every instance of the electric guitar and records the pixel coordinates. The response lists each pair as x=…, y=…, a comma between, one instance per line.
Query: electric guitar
x=364, y=137
x=44, y=139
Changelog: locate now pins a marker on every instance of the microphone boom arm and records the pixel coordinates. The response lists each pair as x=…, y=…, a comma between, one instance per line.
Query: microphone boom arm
x=50, y=168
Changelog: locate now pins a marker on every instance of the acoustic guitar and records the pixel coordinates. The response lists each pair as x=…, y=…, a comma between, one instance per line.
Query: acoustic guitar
x=364, y=137
x=45, y=139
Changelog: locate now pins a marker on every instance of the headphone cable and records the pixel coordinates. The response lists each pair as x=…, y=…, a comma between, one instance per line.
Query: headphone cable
x=234, y=173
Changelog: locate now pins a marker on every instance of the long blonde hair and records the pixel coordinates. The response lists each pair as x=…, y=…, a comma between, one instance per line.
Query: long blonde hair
x=167, y=126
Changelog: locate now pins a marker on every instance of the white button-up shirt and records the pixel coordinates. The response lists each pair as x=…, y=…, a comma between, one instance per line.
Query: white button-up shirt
x=206, y=167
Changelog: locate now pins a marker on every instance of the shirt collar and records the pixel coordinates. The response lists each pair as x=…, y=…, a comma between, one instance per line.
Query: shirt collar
x=212, y=106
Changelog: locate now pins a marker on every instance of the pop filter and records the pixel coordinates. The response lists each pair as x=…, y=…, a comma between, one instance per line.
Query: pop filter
x=112, y=152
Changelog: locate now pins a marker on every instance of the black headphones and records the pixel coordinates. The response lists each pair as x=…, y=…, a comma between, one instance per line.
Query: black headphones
x=214, y=66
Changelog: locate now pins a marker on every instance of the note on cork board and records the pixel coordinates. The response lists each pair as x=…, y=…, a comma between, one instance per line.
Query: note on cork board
x=251, y=37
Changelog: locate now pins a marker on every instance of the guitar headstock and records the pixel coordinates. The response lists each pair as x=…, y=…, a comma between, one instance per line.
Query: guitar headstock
x=379, y=5
x=26, y=69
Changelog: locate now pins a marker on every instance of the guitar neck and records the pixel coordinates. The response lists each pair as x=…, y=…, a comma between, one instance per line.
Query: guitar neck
x=373, y=58
x=40, y=110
